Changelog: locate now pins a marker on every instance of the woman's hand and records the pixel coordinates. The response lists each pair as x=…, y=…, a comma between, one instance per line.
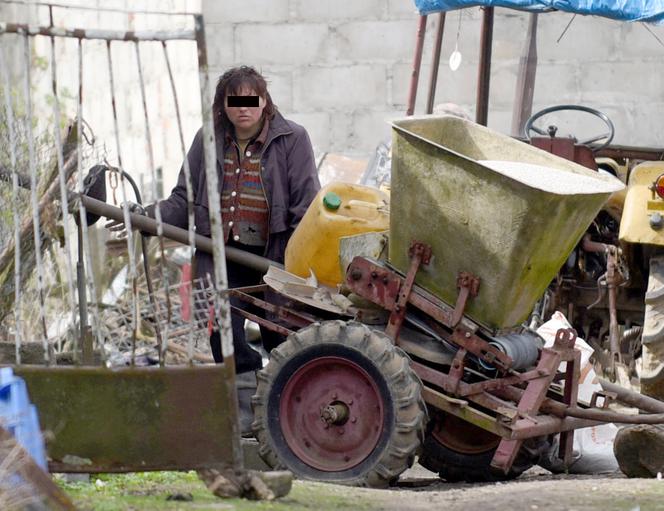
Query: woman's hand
x=118, y=226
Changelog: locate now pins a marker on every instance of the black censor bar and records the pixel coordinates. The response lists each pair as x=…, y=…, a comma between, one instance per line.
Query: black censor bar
x=238, y=101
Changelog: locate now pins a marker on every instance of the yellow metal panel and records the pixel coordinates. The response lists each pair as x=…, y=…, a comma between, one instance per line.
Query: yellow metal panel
x=639, y=205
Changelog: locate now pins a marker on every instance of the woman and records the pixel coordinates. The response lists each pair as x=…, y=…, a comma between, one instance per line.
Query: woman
x=267, y=178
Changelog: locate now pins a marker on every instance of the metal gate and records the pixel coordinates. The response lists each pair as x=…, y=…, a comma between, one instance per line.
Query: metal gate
x=101, y=415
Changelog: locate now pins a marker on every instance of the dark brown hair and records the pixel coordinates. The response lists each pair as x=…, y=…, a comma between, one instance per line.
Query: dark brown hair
x=231, y=83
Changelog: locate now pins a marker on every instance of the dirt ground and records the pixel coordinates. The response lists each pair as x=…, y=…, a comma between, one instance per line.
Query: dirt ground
x=418, y=489
x=536, y=489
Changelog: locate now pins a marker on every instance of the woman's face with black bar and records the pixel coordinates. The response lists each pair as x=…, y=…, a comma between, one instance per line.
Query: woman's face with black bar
x=245, y=109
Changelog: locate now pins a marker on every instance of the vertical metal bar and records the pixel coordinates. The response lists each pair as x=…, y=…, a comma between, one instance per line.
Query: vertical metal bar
x=525, y=83
x=62, y=181
x=190, y=205
x=484, y=72
x=435, y=61
x=161, y=336
x=34, y=200
x=222, y=305
x=417, y=64
x=9, y=115
x=132, y=274
x=84, y=238
x=571, y=390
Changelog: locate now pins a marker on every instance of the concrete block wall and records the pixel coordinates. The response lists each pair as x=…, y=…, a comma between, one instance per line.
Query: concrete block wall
x=342, y=68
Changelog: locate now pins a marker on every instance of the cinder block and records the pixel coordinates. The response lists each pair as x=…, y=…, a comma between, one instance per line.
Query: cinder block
x=280, y=86
x=370, y=127
x=635, y=41
x=341, y=131
x=293, y=43
x=641, y=127
x=555, y=84
x=500, y=118
x=339, y=87
x=220, y=45
x=326, y=10
x=458, y=86
x=503, y=83
x=627, y=80
x=317, y=125
x=272, y=11
x=377, y=40
x=588, y=39
x=401, y=9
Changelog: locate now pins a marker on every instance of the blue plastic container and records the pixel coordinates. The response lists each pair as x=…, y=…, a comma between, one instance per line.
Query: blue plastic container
x=19, y=416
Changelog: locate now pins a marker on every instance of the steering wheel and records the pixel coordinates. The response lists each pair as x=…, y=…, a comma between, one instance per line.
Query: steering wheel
x=529, y=126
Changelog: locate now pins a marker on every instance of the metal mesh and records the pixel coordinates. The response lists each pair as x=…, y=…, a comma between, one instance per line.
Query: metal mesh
x=53, y=307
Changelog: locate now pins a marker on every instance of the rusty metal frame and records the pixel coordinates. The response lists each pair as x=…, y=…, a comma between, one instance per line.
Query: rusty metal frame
x=514, y=405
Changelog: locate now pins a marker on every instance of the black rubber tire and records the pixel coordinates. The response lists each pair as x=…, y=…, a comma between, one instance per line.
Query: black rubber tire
x=453, y=466
x=400, y=389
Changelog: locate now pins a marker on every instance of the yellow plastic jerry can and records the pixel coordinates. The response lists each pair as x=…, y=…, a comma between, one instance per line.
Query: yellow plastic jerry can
x=339, y=209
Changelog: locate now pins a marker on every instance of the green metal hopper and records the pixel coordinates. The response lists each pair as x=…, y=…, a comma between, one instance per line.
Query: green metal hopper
x=512, y=227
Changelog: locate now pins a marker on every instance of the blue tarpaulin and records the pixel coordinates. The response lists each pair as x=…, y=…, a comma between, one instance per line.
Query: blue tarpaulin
x=651, y=11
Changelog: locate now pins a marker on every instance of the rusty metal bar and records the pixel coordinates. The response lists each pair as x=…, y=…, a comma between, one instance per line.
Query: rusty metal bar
x=132, y=274
x=461, y=409
x=262, y=321
x=484, y=71
x=87, y=257
x=525, y=84
x=632, y=398
x=417, y=64
x=543, y=425
x=101, y=9
x=34, y=199
x=162, y=337
x=9, y=116
x=636, y=153
x=63, y=187
x=435, y=61
x=531, y=400
x=104, y=35
x=611, y=416
x=222, y=303
x=190, y=193
x=289, y=315
x=149, y=225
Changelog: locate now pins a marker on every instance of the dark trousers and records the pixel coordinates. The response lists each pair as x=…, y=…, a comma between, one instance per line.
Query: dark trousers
x=246, y=358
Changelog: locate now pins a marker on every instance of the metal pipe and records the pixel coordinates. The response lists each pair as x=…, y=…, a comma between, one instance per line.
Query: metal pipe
x=149, y=225
x=525, y=84
x=222, y=306
x=417, y=64
x=484, y=73
x=632, y=398
x=34, y=201
x=435, y=62
x=526, y=428
x=611, y=416
x=104, y=35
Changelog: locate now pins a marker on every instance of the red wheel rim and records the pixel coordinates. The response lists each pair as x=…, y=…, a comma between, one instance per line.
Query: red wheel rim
x=461, y=436
x=314, y=392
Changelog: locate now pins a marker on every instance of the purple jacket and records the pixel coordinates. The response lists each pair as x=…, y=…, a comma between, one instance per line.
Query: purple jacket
x=290, y=180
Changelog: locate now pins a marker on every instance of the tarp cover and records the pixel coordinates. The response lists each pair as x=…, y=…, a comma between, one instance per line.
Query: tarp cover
x=651, y=11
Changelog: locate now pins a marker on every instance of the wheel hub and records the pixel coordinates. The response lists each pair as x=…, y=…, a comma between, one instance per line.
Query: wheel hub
x=331, y=414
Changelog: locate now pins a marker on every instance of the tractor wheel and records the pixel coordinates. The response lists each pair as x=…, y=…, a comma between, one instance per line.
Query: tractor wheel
x=459, y=451
x=338, y=402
